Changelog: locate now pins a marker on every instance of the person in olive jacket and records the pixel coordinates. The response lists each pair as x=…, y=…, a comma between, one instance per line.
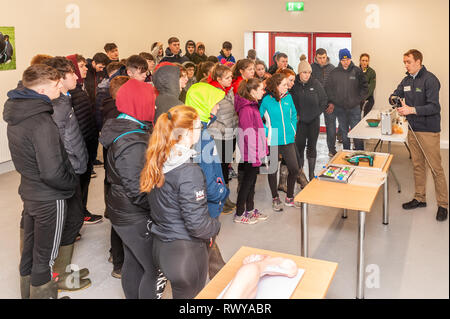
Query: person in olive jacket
x=182, y=226
x=310, y=101
x=367, y=104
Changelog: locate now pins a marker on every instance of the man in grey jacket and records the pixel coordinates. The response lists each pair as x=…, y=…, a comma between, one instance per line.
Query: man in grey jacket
x=70, y=133
x=346, y=88
x=321, y=69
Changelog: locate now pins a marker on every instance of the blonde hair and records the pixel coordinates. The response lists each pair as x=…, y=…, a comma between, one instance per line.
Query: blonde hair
x=162, y=141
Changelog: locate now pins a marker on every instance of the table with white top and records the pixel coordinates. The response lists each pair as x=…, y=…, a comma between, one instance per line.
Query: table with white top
x=363, y=131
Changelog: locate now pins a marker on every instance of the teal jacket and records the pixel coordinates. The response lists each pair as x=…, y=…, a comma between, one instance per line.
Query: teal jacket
x=281, y=119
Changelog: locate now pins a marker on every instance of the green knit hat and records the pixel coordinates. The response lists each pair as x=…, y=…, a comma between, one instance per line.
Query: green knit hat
x=202, y=97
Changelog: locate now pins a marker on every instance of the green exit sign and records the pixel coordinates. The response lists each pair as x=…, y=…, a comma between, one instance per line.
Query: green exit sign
x=295, y=6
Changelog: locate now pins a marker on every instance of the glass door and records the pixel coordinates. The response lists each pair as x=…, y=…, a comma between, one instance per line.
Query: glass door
x=294, y=44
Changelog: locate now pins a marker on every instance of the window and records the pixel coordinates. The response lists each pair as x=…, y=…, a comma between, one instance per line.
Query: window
x=294, y=44
x=332, y=42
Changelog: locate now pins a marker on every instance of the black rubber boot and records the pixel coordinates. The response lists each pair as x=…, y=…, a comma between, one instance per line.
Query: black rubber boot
x=25, y=282
x=311, y=167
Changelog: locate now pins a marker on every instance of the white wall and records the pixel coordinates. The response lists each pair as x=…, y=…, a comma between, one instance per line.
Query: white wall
x=133, y=25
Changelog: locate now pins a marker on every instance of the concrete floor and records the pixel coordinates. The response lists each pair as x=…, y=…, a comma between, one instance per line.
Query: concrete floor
x=411, y=254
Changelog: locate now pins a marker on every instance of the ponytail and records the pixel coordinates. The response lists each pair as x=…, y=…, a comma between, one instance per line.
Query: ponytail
x=246, y=86
x=162, y=140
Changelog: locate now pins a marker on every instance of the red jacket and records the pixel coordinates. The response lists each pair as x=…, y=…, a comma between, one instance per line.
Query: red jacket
x=235, y=84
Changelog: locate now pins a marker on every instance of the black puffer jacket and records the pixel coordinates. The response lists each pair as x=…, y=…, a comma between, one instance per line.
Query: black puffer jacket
x=321, y=72
x=309, y=98
x=93, y=79
x=126, y=142
x=70, y=133
x=179, y=209
x=84, y=111
x=36, y=148
x=170, y=57
x=109, y=109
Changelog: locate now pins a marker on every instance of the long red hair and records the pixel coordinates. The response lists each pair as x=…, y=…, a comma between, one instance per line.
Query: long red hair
x=162, y=140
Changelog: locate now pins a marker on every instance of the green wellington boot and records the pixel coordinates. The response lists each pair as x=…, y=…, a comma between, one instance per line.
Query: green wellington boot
x=73, y=280
x=25, y=282
x=46, y=291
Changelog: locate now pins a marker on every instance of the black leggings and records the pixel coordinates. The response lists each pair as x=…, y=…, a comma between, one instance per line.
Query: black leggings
x=184, y=263
x=289, y=155
x=225, y=150
x=138, y=272
x=116, y=250
x=307, y=136
x=247, y=175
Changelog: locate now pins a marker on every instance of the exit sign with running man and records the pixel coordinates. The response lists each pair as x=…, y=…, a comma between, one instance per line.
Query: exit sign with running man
x=295, y=6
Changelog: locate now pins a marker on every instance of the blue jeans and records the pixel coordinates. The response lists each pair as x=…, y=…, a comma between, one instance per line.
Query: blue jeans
x=330, y=123
x=348, y=118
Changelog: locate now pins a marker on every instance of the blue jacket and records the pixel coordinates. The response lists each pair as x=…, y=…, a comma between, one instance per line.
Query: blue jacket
x=209, y=161
x=228, y=59
x=281, y=119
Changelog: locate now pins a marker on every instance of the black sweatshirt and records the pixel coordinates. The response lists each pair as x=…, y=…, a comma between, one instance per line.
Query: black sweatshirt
x=309, y=98
x=36, y=148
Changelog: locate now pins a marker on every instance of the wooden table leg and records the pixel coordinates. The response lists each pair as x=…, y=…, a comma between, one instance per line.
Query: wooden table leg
x=360, y=266
x=304, y=226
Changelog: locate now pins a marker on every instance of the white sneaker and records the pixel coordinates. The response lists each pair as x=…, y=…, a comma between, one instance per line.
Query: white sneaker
x=245, y=218
x=258, y=215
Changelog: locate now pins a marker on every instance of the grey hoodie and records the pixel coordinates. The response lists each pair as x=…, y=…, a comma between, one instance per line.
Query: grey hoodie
x=166, y=80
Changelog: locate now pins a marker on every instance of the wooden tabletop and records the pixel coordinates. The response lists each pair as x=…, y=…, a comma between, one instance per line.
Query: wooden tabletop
x=339, y=195
x=313, y=285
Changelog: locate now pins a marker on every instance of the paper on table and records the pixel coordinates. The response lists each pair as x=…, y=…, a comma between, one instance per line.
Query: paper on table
x=367, y=178
x=274, y=287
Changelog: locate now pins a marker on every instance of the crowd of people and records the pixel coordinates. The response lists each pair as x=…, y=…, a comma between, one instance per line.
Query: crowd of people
x=170, y=126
